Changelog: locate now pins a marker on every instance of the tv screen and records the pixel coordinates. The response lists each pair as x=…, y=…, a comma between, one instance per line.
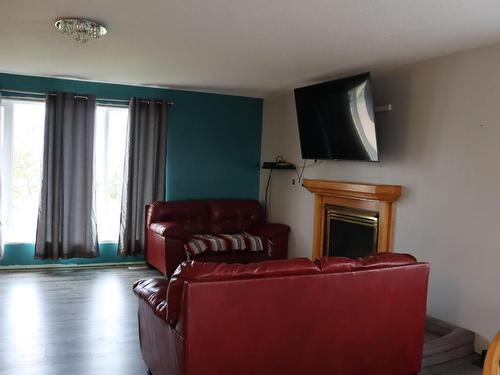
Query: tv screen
x=336, y=120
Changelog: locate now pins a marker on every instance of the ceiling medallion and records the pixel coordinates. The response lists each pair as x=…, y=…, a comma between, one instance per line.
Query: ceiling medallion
x=81, y=29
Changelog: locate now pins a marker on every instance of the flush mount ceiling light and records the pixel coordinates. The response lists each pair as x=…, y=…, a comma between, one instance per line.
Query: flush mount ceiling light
x=80, y=28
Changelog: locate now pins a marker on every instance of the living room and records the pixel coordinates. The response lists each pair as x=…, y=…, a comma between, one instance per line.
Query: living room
x=221, y=80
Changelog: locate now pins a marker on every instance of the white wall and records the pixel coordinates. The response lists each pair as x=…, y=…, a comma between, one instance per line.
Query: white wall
x=442, y=143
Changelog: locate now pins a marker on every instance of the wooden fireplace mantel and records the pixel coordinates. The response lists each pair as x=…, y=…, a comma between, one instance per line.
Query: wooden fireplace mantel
x=371, y=197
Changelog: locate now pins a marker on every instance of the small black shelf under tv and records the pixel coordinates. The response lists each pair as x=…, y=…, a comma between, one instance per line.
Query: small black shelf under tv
x=277, y=165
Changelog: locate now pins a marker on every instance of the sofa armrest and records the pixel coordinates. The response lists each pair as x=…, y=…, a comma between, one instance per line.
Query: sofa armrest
x=277, y=234
x=151, y=212
x=165, y=249
x=268, y=230
x=161, y=346
x=175, y=254
x=170, y=230
x=154, y=293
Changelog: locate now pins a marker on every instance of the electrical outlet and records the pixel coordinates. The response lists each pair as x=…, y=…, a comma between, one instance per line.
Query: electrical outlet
x=293, y=181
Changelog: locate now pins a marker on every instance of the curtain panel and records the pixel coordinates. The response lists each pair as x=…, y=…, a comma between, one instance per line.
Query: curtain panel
x=144, y=170
x=1, y=226
x=1, y=213
x=66, y=226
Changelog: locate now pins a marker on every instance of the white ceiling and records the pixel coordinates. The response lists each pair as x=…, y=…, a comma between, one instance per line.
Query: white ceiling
x=249, y=47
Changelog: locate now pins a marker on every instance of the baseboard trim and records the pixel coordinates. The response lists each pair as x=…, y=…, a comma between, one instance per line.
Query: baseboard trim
x=41, y=267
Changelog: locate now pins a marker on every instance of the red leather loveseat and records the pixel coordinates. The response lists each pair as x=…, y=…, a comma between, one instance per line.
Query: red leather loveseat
x=236, y=226
x=332, y=316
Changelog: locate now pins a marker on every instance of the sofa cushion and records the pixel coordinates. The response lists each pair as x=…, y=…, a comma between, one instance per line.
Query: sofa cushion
x=154, y=293
x=376, y=260
x=200, y=243
x=234, y=215
x=379, y=260
x=241, y=257
x=337, y=264
x=198, y=271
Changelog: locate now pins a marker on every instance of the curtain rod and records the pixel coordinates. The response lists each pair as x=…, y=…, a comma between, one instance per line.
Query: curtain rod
x=78, y=96
x=42, y=99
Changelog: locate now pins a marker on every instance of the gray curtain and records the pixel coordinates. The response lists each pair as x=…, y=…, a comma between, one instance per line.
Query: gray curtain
x=1, y=213
x=144, y=170
x=66, y=225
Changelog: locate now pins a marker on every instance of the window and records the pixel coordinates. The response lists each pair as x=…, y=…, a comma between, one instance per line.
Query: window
x=21, y=147
x=111, y=129
x=21, y=155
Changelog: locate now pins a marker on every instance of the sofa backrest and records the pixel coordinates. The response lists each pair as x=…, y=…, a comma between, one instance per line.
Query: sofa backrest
x=191, y=215
x=199, y=271
x=234, y=216
x=193, y=271
x=207, y=216
x=377, y=260
x=368, y=319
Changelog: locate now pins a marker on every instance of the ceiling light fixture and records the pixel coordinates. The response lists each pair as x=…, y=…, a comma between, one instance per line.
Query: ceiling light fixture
x=81, y=29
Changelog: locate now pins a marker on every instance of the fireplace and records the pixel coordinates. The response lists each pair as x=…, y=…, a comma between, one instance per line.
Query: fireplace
x=350, y=232
x=352, y=219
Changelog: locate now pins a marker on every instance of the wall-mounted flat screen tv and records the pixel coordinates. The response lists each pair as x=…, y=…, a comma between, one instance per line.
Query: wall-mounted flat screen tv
x=336, y=120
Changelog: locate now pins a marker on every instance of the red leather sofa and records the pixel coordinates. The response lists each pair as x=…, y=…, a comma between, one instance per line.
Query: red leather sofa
x=331, y=316
x=170, y=226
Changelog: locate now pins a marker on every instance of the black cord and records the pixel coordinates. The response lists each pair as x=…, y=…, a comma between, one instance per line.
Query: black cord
x=267, y=190
x=302, y=171
x=299, y=176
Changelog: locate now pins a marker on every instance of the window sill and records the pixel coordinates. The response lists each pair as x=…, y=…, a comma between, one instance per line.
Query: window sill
x=16, y=243
x=7, y=243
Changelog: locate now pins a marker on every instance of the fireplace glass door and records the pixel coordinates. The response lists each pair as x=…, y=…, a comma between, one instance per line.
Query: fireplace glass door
x=350, y=232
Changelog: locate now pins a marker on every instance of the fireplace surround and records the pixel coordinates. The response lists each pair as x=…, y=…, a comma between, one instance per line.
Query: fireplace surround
x=352, y=219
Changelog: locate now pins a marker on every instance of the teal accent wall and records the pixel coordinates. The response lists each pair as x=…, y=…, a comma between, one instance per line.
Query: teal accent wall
x=213, y=146
x=22, y=254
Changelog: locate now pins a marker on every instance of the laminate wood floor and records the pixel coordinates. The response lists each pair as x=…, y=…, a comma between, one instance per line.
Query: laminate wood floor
x=84, y=322
x=72, y=321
